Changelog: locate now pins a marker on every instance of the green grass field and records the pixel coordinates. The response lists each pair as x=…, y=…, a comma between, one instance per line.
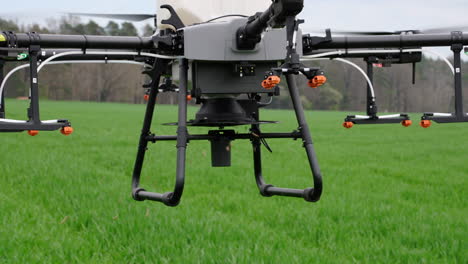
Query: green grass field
x=391, y=194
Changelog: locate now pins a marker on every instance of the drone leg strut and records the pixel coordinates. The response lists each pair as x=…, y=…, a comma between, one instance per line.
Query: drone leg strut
x=169, y=198
x=459, y=115
x=371, y=108
x=2, y=107
x=267, y=190
x=33, y=111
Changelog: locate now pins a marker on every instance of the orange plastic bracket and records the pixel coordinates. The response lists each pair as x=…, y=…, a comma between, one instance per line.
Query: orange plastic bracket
x=406, y=123
x=66, y=131
x=425, y=123
x=271, y=82
x=348, y=125
x=33, y=133
x=317, y=81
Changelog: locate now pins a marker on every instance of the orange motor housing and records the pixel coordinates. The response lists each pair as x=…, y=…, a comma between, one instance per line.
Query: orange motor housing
x=317, y=81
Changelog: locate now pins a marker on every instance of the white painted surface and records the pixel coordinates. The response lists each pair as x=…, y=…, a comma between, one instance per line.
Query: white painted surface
x=197, y=11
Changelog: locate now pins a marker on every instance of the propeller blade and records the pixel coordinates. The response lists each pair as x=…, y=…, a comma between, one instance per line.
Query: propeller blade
x=128, y=17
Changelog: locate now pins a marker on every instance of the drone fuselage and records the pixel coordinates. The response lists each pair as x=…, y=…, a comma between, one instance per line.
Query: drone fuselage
x=218, y=67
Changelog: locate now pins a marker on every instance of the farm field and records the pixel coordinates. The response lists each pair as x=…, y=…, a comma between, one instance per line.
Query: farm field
x=391, y=194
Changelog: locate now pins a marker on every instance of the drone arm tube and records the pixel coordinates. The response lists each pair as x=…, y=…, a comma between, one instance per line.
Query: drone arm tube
x=250, y=34
x=47, y=53
x=23, y=40
x=388, y=41
x=258, y=25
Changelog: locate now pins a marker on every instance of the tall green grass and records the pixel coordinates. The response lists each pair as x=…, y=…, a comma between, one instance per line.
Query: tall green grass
x=391, y=194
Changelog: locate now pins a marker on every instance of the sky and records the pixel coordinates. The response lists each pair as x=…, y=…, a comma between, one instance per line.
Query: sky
x=339, y=14
x=385, y=14
x=39, y=11
x=334, y=14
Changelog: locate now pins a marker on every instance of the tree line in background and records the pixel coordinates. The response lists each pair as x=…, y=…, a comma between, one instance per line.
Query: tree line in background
x=81, y=82
x=345, y=89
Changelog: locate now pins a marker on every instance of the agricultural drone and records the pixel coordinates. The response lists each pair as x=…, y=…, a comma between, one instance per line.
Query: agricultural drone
x=236, y=67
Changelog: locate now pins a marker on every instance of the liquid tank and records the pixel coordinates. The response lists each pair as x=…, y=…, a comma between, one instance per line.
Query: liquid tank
x=197, y=11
